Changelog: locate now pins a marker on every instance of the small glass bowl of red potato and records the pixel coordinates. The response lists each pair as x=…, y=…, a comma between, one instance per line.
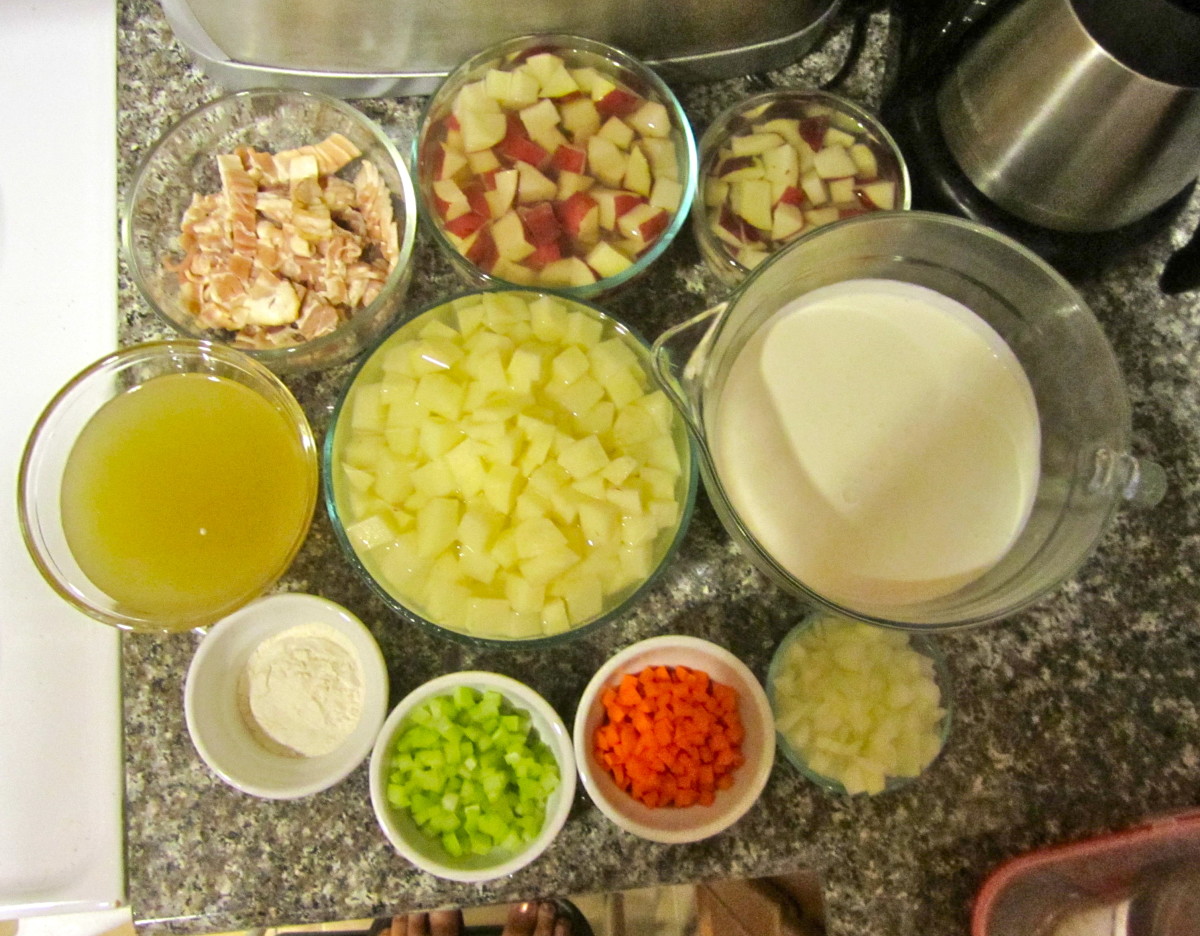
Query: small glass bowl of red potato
x=554, y=162
x=781, y=164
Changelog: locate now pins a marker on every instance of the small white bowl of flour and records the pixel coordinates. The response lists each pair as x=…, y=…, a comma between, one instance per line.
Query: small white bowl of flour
x=284, y=697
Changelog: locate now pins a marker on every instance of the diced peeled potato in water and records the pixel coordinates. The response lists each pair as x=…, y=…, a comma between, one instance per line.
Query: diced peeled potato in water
x=859, y=704
x=508, y=469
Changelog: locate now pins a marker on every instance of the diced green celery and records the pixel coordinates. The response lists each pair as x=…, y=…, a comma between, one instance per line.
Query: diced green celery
x=494, y=826
x=472, y=774
x=402, y=762
x=431, y=757
x=464, y=697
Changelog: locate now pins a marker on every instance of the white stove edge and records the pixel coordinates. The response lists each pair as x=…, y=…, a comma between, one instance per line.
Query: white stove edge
x=61, y=773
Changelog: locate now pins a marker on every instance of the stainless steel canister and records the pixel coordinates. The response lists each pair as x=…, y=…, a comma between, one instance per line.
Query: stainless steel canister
x=1052, y=126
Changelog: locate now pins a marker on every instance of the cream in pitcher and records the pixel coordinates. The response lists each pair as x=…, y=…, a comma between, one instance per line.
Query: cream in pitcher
x=880, y=440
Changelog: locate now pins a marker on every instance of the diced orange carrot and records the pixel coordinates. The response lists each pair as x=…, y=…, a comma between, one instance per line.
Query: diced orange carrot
x=672, y=736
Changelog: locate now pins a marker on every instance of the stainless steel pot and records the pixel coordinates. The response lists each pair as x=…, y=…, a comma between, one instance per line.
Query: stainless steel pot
x=1079, y=115
x=368, y=48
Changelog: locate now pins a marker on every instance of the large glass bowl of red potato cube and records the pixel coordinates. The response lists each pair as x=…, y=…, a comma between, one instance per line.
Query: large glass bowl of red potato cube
x=777, y=166
x=555, y=162
x=503, y=467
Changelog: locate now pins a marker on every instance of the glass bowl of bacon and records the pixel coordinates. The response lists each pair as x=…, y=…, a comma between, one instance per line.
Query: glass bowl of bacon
x=278, y=222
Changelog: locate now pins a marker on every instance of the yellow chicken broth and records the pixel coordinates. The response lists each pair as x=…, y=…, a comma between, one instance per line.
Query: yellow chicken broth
x=184, y=496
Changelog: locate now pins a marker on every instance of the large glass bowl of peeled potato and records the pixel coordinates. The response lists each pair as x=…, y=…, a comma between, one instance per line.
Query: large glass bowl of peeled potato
x=503, y=467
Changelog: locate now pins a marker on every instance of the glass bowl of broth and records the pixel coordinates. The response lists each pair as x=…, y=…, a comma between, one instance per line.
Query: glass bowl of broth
x=167, y=485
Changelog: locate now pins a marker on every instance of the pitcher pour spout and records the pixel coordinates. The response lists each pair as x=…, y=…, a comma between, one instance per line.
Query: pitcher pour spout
x=680, y=355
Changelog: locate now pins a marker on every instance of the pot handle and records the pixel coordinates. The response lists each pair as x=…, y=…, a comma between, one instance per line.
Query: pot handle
x=679, y=355
x=1182, y=270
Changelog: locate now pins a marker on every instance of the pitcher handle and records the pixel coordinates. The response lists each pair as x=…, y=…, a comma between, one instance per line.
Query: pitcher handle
x=679, y=355
x=1145, y=482
x=1139, y=481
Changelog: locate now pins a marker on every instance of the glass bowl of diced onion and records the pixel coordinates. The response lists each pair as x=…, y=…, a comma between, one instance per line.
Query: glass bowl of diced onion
x=503, y=467
x=859, y=709
x=278, y=222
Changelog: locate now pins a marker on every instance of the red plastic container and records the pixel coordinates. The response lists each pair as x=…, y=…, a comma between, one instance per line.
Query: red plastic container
x=1037, y=893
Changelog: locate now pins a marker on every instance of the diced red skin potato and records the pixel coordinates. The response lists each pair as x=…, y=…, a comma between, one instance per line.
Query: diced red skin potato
x=813, y=130
x=572, y=211
x=885, y=200
x=545, y=253
x=541, y=224
x=626, y=202
x=467, y=224
x=618, y=103
x=644, y=222
x=482, y=251
x=522, y=149
x=441, y=159
x=792, y=196
x=477, y=200
x=560, y=229
x=569, y=158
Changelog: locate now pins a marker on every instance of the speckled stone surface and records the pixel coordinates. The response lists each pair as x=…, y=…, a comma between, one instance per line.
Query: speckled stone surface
x=1075, y=718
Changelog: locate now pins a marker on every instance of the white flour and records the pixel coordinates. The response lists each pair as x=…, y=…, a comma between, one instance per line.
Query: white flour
x=302, y=690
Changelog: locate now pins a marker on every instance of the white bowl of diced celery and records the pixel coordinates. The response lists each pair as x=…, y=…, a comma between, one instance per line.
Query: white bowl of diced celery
x=472, y=776
x=504, y=467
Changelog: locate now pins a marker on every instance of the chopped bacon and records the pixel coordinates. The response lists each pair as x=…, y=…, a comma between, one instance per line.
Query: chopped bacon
x=375, y=205
x=317, y=317
x=286, y=251
x=332, y=154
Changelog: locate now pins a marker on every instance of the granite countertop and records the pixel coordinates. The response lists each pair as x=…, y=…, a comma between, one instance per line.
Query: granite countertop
x=1075, y=718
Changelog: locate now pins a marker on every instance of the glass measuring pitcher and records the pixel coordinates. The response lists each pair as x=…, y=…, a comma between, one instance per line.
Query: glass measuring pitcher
x=1086, y=470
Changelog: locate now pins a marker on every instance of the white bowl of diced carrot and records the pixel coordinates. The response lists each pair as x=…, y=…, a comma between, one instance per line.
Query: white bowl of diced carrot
x=674, y=739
